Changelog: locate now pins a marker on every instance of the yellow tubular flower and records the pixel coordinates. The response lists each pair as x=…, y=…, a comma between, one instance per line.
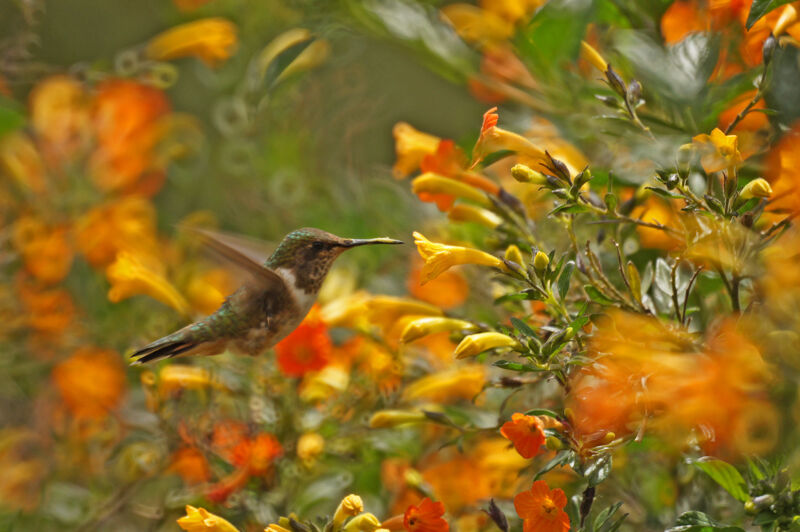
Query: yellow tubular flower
x=787, y=18
x=476, y=25
x=436, y=184
x=757, y=188
x=276, y=46
x=463, y=382
x=513, y=254
x=212, y=40
x=411, y=146
x=440, y=257
x=350, y=506
x=310, y=446
x=470, y=213
x=276, y=528
x=365, y=522
x=593, y=56
x=422, y=327
x=475, y=344
x=384, y=311
x=314, y=55
x=130, y=276
x=201, y=520
x=394, y=418
x=181, y=377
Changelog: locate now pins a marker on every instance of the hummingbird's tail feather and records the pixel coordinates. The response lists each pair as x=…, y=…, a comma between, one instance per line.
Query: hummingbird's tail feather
x=160, y=350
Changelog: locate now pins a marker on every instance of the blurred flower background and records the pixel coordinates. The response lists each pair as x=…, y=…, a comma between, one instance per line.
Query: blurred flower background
x=593, y=325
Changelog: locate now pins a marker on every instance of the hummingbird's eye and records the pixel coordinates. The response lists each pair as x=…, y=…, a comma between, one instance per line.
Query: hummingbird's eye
x=317, y=245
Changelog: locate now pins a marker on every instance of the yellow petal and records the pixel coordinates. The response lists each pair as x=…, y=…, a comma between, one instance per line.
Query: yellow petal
x=411, y=146
x=201, y=520
x=471, y=213
x=130, y=275
x=757, y=188
x=463, y=382
x=314, y=55
x=279, y=44
x=593, y=56
x=435, y=184
x=394, y=418
x=440, y=257
x=211, y=40
x=422, y=327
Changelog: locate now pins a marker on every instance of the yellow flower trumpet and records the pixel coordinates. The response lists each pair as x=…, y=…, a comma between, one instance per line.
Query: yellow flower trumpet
x=394, y=418
x=422, y=327
x=461, y=382
x=440, y=257
x=475, y=344
x=130, y=275
x=411, y=146
x=435, y=184
x=212, y=40
x=201, y=520
x=757, y=188
x=351, y=506
x=471, y=213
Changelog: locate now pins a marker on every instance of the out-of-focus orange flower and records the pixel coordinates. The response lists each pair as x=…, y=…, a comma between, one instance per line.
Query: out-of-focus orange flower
x=59, y=111
x=447, y=291
x=375, y=361
x=126, y=123
x=514, y=11
x=20, y=160
x=191, y=465
x=227, y=435
x=323, y=384
x=411, y=146
x=542, y=509
x=212, y=40
x=48, y=311
x=257, y=454
x=525, y=432
x=783, y=171
x=681, y=18
x=91, y=382
x=132, y=275
x=307, y=348
x=656, y=210
x=45, y=250
x=309, y=447
x=751, y=122
x=179, y=377
x=23, y=469
x=462, y=382
x=775, y=22
x=425, y=517
x=127, y=223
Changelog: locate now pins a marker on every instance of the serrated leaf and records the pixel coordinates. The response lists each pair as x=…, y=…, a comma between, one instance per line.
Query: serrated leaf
x=725, y=475
x=759, y=8
x=597, y=296
x=522, y=327
x=564, y=279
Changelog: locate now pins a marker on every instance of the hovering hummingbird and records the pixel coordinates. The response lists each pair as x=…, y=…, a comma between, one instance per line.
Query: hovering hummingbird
x=269, y=305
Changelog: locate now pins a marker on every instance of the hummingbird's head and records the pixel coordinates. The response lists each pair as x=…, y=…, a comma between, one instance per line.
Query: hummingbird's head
x=309, y=253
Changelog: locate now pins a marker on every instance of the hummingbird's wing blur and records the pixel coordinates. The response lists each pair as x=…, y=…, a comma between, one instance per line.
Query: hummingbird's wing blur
x=242, y=253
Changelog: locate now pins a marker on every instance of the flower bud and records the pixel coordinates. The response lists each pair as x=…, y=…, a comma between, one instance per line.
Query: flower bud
x=365, y=522
x=350, y=506
x=552, y=443
x=541, y=261
x=593, y=57
x=609, y=437
x=525, y=174
x=513, y=254
x=757, y=188
x=476, y=344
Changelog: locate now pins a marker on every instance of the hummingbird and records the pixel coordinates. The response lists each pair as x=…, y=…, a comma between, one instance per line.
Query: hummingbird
x=269, y=305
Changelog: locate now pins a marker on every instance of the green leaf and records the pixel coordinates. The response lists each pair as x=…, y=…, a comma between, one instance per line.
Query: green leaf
x=699, y=522
x=561, y=459
x=542, y=412
x=568, y=208
x=597, y=296
x=759, y=8
x=563, y=280
x=598, y=471
x=664, y=193
x=11, y=116
x=604, y=522
x=516, y=366
x=725, y=475
x=523, y=327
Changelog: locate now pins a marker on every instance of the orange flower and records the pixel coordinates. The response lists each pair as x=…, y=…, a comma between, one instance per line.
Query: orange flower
x=656, y=210
x=542, y=509
x=256, y=454
x=751, y=122
x=783, y=171
x=525, y=432
x=411, y=146
x=447, y=291
x=46, y=251
x=425, y=517
x=48, y=311
x=208, y=289
x=190, y=464
x=21, y=161
x=680, y=19
x=307, y=348
x=125, y=119
x=59, y=109
x=91, y=382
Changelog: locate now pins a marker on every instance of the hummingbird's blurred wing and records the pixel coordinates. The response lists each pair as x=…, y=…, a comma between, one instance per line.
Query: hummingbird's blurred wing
x=242, y=253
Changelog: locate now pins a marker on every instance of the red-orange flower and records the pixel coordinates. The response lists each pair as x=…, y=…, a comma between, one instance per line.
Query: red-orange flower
x=525, y=432
x=307, y=348
x=425, y=517
x=542, y=509
x=257, y=454
x=190, y=464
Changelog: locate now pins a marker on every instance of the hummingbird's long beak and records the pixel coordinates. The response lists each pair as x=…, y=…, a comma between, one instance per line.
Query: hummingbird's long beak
x=353, y=242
